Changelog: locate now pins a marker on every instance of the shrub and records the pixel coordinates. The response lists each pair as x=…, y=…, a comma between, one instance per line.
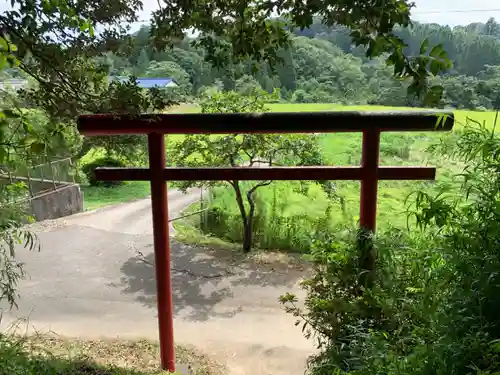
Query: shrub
x=433, y=306
x=14, y=212
x=89, y=171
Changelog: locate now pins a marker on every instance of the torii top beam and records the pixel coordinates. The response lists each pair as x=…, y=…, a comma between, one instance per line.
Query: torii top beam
x=269, y=122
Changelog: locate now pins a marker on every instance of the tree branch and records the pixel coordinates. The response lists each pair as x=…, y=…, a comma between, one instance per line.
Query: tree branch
x=261, y=184
x=30, y=47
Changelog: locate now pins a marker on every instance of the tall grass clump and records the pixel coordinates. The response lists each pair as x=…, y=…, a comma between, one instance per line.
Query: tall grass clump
x=289, y=215
x=433, y=306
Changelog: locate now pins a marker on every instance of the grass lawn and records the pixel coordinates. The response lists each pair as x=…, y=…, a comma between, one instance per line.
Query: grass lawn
x=55, y=355
x=303, y=107
x=96, y=197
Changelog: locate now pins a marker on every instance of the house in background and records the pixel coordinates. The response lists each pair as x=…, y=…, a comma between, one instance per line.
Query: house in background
x=147, y=83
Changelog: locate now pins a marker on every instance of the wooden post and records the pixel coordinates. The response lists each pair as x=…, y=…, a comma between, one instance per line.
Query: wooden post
x=369, y=181
x=368, y=205
x=159, y=203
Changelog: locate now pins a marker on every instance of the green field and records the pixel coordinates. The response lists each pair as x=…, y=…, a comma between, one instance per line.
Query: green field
x=460, y=115
x=339, y=149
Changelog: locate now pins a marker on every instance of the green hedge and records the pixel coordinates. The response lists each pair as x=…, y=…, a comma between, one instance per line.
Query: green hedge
x=89, y=171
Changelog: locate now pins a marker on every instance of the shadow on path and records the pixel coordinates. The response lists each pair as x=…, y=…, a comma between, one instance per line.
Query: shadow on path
x=203, y=278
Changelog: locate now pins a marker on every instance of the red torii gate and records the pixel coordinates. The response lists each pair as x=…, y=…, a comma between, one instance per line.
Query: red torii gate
x=371, y=124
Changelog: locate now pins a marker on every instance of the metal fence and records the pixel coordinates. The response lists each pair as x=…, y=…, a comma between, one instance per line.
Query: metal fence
x=41, y=178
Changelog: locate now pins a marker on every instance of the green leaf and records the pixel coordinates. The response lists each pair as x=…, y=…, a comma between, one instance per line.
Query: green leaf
x=424, y=46
x=37, y=147
x=436, y=51
x=91, y=29
x=3, y=155
x=28, y=140
x=435, y=67
x=28, y=127
x=84, y=26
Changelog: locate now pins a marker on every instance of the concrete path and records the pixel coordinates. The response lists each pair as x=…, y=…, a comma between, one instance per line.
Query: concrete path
x=89, y=282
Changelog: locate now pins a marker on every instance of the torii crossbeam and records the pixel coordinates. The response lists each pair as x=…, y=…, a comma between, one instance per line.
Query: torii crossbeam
x=371, y=124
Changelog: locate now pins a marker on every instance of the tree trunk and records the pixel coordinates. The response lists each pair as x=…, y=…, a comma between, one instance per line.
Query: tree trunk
x=248, y=238
x=247, y=226
x=248, y=234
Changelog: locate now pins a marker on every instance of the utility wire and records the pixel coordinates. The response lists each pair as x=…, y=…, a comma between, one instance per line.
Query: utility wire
x=457, y=11
x=442, y=11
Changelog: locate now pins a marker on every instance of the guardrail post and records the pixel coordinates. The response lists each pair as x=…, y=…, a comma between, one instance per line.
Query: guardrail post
x=53, y=178
x=72, y=169
x=30, y=188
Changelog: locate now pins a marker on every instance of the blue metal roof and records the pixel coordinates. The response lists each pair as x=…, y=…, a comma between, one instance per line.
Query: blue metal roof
x=147, y=83
x=152, y=82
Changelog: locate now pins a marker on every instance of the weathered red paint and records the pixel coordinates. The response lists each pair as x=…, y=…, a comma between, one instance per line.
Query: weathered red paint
x=269, y=173
x=370, y=123
x=271, y=122
x=159, y=203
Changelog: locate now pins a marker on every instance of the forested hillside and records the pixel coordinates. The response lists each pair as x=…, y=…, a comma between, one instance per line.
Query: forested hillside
x=324, y=66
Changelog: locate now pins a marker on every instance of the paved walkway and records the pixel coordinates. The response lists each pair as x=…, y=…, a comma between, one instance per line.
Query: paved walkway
x=89, y=282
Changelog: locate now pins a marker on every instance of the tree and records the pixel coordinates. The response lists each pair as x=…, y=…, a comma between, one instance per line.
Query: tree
x=167, y=69
x=286, y=71
x=235, y=150
x=326, y=73
x=70, y=64
x=489, y=85
x=199, y=71
x=243, y=30
x=124, y=97
x=21, y=140
x=247, y=85
x=142, y=63
x=70, y=83
x=492, y=27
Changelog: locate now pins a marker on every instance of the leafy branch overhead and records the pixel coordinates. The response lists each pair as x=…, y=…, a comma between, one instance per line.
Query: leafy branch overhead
x=235, y=31
x=71, y=80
